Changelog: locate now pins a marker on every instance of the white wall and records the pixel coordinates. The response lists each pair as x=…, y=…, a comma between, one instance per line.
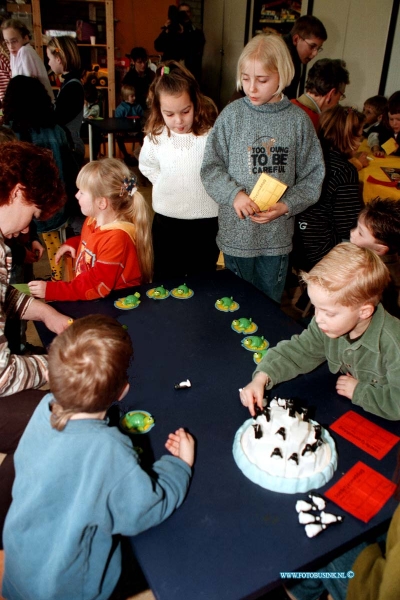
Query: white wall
x=223, y=24
x=393, y=80
x=357, y=33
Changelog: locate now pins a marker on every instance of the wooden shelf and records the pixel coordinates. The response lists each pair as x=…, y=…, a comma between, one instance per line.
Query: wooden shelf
x=108, y=46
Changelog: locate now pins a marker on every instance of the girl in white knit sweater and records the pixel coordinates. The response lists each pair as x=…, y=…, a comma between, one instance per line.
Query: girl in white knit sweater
x=185, y=223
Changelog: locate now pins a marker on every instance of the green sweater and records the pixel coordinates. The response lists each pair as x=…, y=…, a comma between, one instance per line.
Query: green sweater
x=373, y=359
x=377, y=577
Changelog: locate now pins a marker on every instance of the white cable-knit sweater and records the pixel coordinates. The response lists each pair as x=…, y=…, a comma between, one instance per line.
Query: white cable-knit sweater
x=173, y=167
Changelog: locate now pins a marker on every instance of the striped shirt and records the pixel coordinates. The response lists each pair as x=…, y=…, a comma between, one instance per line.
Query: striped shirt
x=5, y=70
x=329, y=221
x=17, y=373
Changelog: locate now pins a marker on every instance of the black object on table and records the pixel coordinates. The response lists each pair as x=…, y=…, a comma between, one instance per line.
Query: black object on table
x=231, y=539
x=111, y=126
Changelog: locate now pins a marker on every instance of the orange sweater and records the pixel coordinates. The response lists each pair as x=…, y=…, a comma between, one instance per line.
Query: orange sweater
x=106, y=260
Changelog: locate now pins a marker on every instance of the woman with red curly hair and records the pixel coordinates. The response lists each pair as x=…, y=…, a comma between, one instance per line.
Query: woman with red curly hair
x=29, y=187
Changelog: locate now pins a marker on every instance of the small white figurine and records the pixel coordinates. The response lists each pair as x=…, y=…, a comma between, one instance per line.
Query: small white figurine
x=306, y=517
x=318, y=501
x=329, y=518
x=302, y=505
x=313, y=529
x=183, y=384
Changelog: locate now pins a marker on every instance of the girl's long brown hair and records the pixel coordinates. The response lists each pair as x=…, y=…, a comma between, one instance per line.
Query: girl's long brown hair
x=174, y=79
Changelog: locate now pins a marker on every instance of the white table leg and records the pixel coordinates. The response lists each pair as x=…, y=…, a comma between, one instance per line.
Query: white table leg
x=110, y=145
x=90, y=143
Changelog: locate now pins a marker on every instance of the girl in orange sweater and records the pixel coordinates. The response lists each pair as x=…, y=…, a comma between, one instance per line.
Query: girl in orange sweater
x=114, y=250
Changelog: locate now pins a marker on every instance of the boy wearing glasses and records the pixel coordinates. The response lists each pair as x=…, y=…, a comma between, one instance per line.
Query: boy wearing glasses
x=304, y=42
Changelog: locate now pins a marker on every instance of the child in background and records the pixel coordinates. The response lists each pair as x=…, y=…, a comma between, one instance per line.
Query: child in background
x=35, y=122
x=329, y=221
x=373, y=110
x=140, y=76
x=351, y=330
x=114, y=250
x=88, y=480
x=24, y=60
x=261, y=133
x=132, y=110
x=378, y=228
x=390, y=127
x=65, y=60
x=185, y=221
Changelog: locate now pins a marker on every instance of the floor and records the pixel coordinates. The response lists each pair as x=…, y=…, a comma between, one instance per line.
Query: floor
x=42, y=270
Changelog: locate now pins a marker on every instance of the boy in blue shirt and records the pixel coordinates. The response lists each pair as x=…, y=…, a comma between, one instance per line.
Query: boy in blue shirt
x=130, y=109
x=350, y=330
x=79, y=485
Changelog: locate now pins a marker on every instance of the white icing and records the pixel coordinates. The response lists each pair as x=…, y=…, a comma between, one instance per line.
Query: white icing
x=253, y=455
x=298, y=434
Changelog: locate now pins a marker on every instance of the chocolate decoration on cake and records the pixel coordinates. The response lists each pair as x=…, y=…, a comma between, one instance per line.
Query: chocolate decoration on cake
x=267, y=413
x=317, y=430
x=281, y=431
x=257, y=431
x=277, y=452
x=307, y=448
x=304, y=414
x=294, y=457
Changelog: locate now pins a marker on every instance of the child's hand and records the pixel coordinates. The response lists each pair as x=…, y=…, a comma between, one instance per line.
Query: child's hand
x=244, y=206
x=181, y=445
x=346, y=385
x=279, y=209
x=37, y=249
x=253, y=393
x=378, y=152
x=63, y=249
x=38, y=288
x=362, y=158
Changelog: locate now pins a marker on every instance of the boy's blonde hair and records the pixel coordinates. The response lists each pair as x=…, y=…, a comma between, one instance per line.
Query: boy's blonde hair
x=353, y=276
x=105, y=179
x=67, y=50
x=271, y=51
x=88, y=366
x=126, y=90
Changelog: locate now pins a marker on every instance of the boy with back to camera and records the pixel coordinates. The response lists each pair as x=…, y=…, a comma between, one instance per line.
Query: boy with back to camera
x=378, y=228
x=79, y=485
x=350, y=330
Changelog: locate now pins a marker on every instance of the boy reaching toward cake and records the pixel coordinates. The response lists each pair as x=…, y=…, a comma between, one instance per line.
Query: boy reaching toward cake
x=79, y=485
x=350, y=329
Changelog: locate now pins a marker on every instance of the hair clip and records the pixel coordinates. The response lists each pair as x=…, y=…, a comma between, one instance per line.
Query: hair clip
x=350, y=109
x=165, y=71
x=129, y=185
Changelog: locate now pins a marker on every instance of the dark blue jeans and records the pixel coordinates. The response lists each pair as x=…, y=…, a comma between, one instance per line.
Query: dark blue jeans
x=267, y=273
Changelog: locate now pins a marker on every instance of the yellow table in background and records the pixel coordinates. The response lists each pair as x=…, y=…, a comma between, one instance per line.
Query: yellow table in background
x=372, y=190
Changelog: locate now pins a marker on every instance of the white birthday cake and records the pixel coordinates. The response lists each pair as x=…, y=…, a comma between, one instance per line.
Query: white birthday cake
x=284, y=451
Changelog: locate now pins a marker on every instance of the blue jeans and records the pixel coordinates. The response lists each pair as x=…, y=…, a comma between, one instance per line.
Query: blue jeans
x=267, y=273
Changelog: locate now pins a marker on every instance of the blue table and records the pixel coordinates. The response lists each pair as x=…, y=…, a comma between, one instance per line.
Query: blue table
x=230, y=539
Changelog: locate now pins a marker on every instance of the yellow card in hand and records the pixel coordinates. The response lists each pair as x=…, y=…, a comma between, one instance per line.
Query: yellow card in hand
x=390, y=146
x=267, y=191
